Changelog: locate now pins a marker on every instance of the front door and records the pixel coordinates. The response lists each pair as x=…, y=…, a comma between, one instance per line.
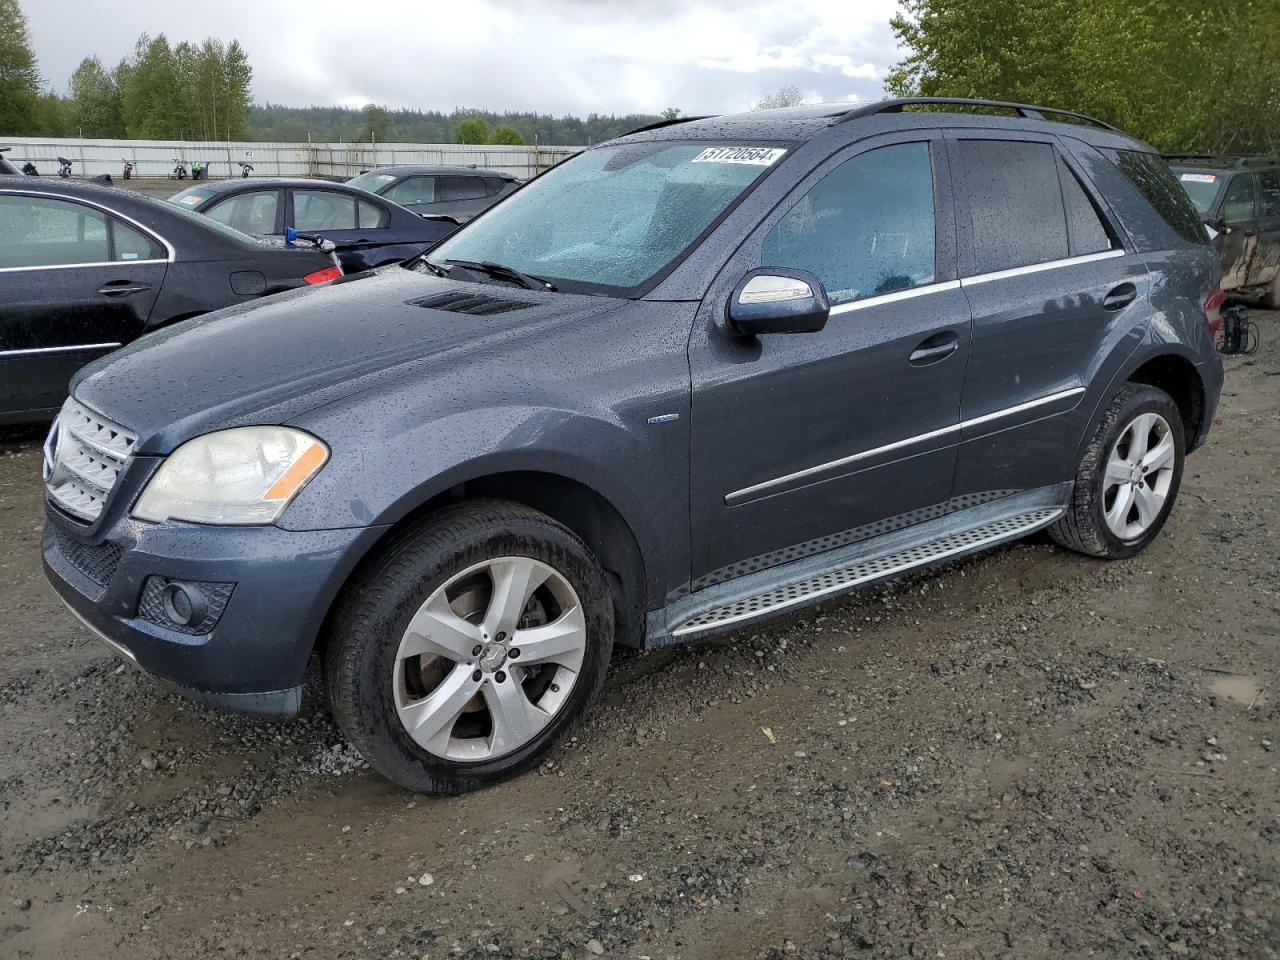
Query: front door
x=810, y=442
x=1266, y=262
x=77, y=284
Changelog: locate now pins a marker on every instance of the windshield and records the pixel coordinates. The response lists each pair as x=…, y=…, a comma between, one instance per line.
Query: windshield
x=612, y=219
x=1201, y=187
x=373, y=181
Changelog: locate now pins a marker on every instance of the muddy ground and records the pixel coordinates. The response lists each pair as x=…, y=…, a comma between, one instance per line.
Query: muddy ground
x=1027, y=754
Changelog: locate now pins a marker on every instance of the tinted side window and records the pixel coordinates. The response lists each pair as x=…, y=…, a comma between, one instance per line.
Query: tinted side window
x=1088, y=234
x=865, y=228
x=253, y=212
x=413, y=190
x=1152, y=176
x=39, y=232
x=323, y=210
x=131, y=244
x=493, y=185
x=1238, y=204
x=371, y=215
x=1269, y=181
x=1015, y=203
x=460, y=188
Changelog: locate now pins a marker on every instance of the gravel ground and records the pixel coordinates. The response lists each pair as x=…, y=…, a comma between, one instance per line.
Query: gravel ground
x=1026, y=754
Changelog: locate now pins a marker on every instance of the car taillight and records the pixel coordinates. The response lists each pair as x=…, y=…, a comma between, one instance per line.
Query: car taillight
x=323, y=276
x=1213, y=310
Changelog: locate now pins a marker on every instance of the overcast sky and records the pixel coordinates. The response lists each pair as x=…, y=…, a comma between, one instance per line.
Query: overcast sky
x=552, y=56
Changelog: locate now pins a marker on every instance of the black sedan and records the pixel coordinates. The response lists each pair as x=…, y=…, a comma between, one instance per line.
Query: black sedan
x=456, y=192
x=86, y=268
x=369, y=231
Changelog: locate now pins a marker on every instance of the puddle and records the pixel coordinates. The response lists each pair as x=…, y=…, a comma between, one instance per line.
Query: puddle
x=1237, y=687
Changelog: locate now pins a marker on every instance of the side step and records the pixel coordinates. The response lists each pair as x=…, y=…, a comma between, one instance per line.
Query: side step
x=863, y=570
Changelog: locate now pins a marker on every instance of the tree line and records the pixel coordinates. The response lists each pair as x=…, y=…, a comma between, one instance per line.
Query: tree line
x=1183, y=75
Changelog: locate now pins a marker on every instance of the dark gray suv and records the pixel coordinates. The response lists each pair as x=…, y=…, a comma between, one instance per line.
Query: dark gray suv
x=703, y=374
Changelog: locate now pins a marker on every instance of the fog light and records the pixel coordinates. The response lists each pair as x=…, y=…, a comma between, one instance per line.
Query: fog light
x=184, y=603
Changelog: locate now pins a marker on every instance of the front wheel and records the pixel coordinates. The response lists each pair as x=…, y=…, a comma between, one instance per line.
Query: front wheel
x=471, y=644
x=1129, y=476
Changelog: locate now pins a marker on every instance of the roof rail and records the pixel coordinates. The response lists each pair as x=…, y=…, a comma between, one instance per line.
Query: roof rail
x=1226, y=159
x=659, y=124
x=1259, y=161
x=1026, y=110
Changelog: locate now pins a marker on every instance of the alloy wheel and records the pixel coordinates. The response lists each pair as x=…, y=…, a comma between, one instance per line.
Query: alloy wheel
x=1139, y=474
x=489, y=659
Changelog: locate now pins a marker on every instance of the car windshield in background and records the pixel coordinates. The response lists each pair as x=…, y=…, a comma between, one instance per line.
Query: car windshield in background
x=1201, y=186
x=613, y=219
x=191, y=197
x=373, y=181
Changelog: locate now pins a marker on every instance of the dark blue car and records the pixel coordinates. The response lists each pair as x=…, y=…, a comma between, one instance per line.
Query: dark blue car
x=692, y=378
x=369, y=230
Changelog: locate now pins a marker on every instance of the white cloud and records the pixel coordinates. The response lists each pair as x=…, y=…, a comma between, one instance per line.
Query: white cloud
x=556, y=56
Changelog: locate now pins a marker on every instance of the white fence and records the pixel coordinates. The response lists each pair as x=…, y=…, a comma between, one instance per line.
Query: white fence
x=155, y=158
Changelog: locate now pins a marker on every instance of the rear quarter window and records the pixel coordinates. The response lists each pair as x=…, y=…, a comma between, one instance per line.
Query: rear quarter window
x=1150, y=173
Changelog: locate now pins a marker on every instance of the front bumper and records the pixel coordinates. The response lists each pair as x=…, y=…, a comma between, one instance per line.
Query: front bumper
x=281, y=584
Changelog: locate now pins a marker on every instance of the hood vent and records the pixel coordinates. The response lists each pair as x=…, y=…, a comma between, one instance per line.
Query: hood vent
x=476, y=304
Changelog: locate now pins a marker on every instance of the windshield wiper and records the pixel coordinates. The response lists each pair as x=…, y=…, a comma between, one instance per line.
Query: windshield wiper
x=529, y=281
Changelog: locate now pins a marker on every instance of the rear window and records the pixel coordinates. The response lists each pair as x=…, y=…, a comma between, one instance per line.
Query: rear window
x=1151, y=175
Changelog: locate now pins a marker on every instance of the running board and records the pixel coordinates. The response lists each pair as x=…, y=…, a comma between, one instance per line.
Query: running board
x=864, y=570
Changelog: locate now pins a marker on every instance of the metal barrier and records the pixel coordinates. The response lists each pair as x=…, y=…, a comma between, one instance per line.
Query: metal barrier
x=156, y=158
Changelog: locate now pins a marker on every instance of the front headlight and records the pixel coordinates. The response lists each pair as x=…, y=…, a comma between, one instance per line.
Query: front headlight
x=242, y=476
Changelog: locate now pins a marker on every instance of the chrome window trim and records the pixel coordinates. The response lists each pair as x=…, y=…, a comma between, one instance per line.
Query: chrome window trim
x=67, y=349
x=746, y=492
x=171, y=254
x=896, y=295
x=1039, y=267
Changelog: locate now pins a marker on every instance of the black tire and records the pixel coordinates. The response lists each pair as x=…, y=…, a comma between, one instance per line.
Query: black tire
x=1271, y=298
x=377, y=605
x=1083, y=527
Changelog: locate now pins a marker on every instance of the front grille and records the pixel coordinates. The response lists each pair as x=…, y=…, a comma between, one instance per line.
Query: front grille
x=476, y=304
x=97, y=562
x=83, y=458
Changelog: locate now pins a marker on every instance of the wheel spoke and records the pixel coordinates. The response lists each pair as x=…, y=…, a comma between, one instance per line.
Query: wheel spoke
x=514, y=581
x=1148, y=505
x=430, y=720
x=1161, y=455
x=559, y=642
x=435, y=628
x=1118, y=471
x=1139, y=434
x=515, y=719
x=1118, y=515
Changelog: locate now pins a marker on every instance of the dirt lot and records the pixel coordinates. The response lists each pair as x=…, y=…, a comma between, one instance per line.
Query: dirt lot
x=1023, y=755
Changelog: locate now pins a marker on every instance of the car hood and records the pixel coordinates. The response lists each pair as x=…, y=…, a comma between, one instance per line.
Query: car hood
x=274, y=359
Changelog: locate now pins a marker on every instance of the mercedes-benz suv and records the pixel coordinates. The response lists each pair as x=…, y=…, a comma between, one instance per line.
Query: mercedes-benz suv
x=701, y=375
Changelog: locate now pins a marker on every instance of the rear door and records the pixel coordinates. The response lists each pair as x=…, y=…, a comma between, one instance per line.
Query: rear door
x=1051, y=288
x=255, y=212
x=810, y=442
x=78, y=282
x=1266, y=262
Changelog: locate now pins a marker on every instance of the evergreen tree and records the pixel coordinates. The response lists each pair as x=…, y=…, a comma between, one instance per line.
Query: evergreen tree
x=19, y=78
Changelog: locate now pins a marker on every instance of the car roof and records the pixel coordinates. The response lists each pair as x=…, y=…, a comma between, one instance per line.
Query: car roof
x=405, y=170
x=251, y=183
x=812, y=121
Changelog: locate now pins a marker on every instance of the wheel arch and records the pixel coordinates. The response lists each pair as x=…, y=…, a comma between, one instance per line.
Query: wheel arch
x=581, y=508
x=1177, y=376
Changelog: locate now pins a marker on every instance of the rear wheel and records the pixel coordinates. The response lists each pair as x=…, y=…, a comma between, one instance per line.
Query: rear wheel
x=470, y=645
x=1129, y=476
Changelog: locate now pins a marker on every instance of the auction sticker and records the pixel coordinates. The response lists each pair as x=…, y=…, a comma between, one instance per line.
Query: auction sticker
x=1198, y=177
x=755, y=156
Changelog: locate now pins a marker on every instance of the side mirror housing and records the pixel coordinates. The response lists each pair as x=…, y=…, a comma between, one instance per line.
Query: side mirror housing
x=778, y=300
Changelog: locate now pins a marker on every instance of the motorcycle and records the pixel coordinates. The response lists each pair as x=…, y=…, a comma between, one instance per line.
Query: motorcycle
x=64, y=167
x=128, y=170
x=30, y=170
x=179, y=170
x=245, y=168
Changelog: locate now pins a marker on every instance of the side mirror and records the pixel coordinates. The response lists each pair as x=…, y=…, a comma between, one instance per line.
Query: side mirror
x=778, y=300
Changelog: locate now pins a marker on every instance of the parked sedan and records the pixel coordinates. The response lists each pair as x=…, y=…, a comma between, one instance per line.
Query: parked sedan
x=456, y=192
x=369, y=231
x=86, y=268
